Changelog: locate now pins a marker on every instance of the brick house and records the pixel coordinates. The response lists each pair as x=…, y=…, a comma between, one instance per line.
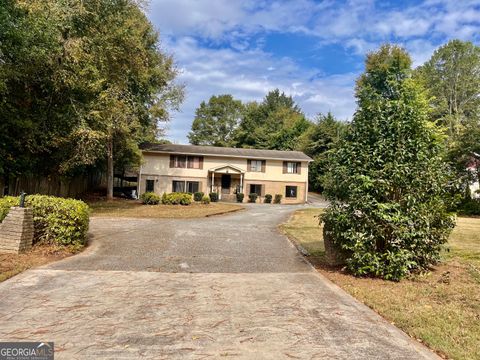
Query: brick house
x=226, y=171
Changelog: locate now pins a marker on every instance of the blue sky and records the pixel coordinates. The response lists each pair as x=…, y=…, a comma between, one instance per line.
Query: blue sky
x=312, y=50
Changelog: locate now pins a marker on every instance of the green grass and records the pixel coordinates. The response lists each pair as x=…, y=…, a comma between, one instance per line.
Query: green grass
x=440, y=308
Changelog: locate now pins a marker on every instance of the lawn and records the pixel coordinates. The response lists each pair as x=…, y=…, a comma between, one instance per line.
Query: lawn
x=39, y=254
x=440, y=308
x=130, y=208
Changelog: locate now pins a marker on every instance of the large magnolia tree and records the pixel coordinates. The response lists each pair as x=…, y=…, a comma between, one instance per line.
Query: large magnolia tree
x=387, y=179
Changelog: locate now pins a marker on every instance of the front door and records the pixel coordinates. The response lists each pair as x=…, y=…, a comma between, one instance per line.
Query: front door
x=226, y=182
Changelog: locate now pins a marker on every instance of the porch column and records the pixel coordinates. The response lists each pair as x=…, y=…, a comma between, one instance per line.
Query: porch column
x=241, y=183
x=213, y=174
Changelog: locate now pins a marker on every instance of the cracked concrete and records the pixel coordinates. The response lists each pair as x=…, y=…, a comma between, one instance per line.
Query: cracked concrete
x=229, y=286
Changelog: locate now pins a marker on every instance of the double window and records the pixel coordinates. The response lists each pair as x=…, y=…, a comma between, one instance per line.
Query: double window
x=291, y=191
x=184, y=161
x=256, y=165
x=185, y=186
x=291, y=167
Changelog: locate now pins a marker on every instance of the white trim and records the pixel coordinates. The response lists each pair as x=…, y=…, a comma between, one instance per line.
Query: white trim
x=228, y=156
x=235, y=168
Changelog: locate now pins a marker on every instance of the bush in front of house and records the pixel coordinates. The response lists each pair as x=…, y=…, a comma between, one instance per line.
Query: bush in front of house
x=177, y=198
x=55, y=220
x=277, y=199
x=252, y=197
x=150, y=198
x=205, y=199
x=268, y=198
x=240, y=197
x=213, y=197
x=198, y=196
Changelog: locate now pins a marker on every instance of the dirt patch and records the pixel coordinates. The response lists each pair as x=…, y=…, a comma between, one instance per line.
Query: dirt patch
x=39, y=254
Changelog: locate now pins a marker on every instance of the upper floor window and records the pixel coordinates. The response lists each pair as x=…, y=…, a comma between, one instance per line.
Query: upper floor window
x=184, y=161
x=291, y=167
x=256, y=165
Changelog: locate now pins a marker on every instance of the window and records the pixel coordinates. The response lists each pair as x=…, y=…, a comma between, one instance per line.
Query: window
x=291, y=192
x=183, y=161
x=256, y=165
x=256, y=188
x=193, y=162
x=193, y=186
x=178, y=186
x=290, y=167
x=185, y=186
x=150, y=186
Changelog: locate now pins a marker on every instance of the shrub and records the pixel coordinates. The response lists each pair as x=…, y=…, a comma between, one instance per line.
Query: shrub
x=268, y=198
x=252, y=197
x=277, y=199
x=56, y=220
x=205, y=199
x=389, y=202
x=150, y=198
x=468, y=207
x=198, y=196
x=177, y=198
x=213, y=197
x=240, y=197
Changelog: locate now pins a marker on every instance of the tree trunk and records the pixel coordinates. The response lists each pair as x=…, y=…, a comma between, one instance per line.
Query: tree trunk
x=110, y=169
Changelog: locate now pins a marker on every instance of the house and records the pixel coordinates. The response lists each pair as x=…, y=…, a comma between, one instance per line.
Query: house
x=474, y=168
x=226, y=171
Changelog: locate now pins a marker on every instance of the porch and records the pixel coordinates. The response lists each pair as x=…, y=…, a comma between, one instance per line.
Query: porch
x=226, y=181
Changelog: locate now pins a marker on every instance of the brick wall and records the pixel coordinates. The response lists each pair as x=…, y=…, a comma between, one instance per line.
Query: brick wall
x=16, y=230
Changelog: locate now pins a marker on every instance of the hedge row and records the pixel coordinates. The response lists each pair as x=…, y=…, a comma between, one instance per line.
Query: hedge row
x=55, y=220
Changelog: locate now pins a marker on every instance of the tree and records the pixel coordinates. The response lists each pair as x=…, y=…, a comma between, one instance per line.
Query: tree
x=82, y=82
x=215, y=122
x=319, y=142
x=452, y=76
x=275, y=123
x=387, y=180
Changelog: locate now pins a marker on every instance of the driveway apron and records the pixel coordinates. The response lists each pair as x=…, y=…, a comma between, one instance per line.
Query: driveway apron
x=228, y=286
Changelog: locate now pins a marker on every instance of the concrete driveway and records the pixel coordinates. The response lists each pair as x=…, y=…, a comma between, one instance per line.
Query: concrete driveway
x=222, y=287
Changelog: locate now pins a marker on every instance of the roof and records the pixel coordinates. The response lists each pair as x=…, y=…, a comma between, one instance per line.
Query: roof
x=225, y=152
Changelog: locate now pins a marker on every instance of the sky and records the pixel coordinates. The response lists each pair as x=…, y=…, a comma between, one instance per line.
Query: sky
x=311, y=50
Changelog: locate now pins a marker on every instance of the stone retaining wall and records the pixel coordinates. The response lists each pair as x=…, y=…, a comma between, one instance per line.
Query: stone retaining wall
x=16, y=230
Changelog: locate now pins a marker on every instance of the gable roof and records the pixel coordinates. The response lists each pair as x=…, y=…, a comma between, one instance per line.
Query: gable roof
x=225, y=152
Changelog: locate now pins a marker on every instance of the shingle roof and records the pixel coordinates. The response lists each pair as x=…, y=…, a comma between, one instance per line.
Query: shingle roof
x=225, y=152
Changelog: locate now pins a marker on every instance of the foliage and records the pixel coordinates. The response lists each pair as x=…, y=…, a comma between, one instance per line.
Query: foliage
x=177, y=198
x=240, y=197
x=213, y=197
x=81, y=84
x=277, y=199
x=275, y=123
x=320, y=141
x=150, y=198
x=198, y=196
x=387, y=180
x=252, y=197
x=205, y=199
x=56, y=220
x=215, y=122
x=268, y=198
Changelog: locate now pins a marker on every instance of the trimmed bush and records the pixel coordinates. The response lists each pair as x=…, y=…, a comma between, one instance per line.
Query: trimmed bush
x=198, y=196
x=150, y=198
x=470, y=207
x=55, y=220
x=252, y=197
x=277, y=199
x=268, y=198
x=240, y=197
x=205, y=199
x=213, y=197
x=177, y=198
